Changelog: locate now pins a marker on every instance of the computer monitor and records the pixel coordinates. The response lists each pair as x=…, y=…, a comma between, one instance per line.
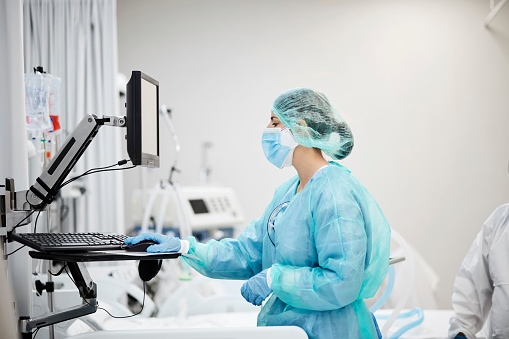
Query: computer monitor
x=142, y=103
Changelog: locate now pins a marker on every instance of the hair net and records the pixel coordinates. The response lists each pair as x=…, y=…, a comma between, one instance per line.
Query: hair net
x=314, y=121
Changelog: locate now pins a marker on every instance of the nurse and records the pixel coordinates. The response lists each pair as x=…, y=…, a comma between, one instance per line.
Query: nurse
x=322, y=244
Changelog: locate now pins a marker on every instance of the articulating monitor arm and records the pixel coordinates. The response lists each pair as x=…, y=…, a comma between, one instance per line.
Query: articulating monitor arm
x=88, y=291
x=48, y=183
x=16, y=207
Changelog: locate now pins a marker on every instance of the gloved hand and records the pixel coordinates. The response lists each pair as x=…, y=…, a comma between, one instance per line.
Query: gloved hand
x=255, y=290
x=165, y=243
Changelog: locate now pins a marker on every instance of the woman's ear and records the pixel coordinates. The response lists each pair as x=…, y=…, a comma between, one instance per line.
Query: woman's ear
x=302, y=123
x=302, y=128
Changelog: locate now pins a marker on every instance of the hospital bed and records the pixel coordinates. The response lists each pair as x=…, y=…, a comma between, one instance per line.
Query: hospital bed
x=434, y=327
x=210, y=333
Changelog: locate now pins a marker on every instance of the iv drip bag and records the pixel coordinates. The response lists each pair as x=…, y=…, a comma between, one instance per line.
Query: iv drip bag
x=42, y=99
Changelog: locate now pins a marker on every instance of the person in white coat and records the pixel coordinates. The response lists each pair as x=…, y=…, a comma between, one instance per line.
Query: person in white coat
x=481, y=287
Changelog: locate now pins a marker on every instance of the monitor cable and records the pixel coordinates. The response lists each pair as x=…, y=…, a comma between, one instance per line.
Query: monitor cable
x=105, y=310
x=100, y=169
x=90, y=171
x=18, y=225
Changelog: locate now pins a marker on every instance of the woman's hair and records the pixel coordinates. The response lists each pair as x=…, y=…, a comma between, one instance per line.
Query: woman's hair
x=314, y=121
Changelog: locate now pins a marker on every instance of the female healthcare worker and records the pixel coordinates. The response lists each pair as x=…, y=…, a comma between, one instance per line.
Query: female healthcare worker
x=322, y=244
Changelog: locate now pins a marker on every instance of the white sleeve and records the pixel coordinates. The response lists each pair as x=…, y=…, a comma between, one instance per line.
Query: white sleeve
x=500, y=312
x=472, y=295
x=269, y=278
x=184, y=246
x=499, y=272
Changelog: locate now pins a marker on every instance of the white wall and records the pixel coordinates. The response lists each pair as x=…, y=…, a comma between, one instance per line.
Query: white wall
x=423, y=85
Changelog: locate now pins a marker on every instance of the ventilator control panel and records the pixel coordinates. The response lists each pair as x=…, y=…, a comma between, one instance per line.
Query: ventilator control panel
x=211, y=207
x=205, y=207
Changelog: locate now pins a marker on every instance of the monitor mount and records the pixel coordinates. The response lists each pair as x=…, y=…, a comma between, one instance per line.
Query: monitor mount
x=16, y=209
x=88, y=291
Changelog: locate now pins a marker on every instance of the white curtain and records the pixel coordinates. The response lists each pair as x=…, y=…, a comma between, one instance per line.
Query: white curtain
x=76, y=40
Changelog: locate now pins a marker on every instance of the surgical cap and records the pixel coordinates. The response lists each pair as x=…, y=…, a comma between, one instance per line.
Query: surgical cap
x=314, y=121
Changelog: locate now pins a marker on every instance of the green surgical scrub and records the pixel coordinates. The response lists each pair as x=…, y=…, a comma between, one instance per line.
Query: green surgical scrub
x=328, y=250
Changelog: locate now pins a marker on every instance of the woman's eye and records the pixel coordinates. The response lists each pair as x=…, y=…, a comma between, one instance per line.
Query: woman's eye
x=275, y=124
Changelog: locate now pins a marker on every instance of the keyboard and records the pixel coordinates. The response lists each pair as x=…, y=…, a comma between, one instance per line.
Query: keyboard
x=66, y=242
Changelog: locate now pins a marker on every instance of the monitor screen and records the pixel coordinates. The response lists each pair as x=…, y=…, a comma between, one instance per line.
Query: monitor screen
x=142, y=103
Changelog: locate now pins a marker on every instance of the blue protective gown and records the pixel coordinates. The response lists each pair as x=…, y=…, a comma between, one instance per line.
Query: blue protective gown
x=328, y=249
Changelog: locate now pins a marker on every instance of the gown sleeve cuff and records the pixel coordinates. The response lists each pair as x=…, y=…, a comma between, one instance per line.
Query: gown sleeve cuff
x=269, y=278
x=184, y=246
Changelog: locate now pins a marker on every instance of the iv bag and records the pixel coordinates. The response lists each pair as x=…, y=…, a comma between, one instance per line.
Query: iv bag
x=42, y=98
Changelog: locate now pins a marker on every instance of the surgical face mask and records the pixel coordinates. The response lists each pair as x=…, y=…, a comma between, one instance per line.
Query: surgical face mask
x=278, y=145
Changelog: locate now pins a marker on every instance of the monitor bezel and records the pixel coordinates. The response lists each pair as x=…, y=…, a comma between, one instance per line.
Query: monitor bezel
x=134, y=121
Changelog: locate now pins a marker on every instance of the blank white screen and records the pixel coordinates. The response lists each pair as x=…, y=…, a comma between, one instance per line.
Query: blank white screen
x=149, y=112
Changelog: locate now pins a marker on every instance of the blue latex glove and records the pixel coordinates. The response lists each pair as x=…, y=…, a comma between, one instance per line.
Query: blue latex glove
x=165, y=243
x=255, y=290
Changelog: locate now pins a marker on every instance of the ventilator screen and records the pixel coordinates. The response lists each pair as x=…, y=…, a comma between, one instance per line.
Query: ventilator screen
x=198, y=206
